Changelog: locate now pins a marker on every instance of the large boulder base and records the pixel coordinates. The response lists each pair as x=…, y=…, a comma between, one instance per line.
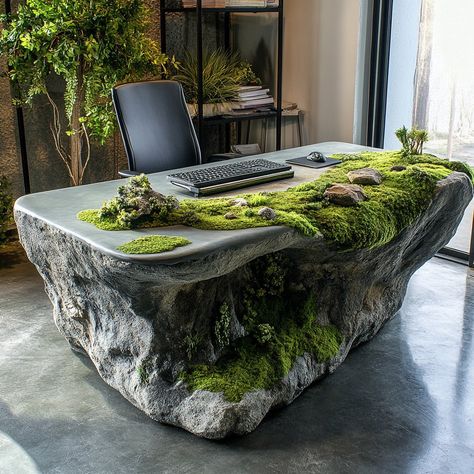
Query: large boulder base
x=125, y=313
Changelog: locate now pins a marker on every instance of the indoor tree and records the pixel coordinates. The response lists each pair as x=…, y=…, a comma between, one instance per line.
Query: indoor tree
x=92, y=45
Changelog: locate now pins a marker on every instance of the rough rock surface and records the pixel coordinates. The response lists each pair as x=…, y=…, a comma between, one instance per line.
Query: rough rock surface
x=345, y=194
x=367, y=176
x=129, y=316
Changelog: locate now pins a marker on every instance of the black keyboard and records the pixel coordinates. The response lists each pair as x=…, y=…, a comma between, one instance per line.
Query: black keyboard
x=215, y=179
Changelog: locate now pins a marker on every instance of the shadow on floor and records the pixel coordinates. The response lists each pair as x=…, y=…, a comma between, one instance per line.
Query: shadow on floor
x=373, y=412
x=11, y=254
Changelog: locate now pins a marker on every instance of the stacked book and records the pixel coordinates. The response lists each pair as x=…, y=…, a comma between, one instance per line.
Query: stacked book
x=205, y=3
x=252, y=97
x=231, y=3
x=252, y=3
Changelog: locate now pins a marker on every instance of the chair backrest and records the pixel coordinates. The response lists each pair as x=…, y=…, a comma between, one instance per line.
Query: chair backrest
x=156, y=127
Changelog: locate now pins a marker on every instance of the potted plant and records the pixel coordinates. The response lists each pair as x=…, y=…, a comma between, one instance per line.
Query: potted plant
x=222, y=75
x=92, y=45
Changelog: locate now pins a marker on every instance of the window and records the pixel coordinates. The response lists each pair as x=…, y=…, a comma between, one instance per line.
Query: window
x=431, y=82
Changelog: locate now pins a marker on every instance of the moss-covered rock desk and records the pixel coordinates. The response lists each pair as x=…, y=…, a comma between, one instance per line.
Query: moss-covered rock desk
x=227, y=325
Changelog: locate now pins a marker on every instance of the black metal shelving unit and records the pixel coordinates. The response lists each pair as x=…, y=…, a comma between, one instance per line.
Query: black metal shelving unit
x=201, y=121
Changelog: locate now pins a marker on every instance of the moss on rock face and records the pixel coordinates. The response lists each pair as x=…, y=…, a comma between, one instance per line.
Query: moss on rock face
x=253, y=366
x=153, y=244
x=391, y=206
x=281, y=326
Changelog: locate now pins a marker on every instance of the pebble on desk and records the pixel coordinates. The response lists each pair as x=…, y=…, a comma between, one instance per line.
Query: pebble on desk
x=267, y=213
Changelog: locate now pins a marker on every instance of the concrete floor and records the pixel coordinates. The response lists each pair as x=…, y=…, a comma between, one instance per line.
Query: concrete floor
x=401, y=403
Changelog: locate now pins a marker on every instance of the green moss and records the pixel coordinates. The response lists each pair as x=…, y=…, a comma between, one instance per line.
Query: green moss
x=142, y=371
x=253, y=366
x=222, y=326
x=153, y=244
x=92, y=216
x=282, y=326
x=393, y=205
x=191, y=344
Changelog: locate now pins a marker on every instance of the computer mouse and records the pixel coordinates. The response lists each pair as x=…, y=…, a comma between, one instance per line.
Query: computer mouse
x=317, y=156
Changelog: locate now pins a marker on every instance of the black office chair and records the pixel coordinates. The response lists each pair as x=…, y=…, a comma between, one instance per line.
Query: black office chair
x=156, y=127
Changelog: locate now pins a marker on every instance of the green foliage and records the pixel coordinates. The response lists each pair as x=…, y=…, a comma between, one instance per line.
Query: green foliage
x=223, y=74
x=93, y=43
x=191, y=344
x=222, y=326
x=143, y=375
x=282, y=327
x=6, y=207
x=390, y=208
x=412, y=140
x=136, y=202
x=258, y=199
x=153, y=244
x=246, y=75
x=264, y=333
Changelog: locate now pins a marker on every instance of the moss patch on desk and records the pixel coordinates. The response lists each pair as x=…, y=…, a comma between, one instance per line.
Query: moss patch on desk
x=390, y=207
x=153, y=244
x=281, y=326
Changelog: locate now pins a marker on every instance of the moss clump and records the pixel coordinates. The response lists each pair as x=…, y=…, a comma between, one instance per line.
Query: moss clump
x=281, y=326
x=153, y=244
x=391, y=206
x=252, y=365
x=142, y=372
x=264, y=333
x=136, y=201
x=191, y=344
x=222, y=326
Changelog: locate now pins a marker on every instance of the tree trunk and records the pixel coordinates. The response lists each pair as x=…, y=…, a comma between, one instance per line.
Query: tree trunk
x=77, y=165
x=423, y=67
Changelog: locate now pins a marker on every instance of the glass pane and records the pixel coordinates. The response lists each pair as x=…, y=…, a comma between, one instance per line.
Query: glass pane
x=442, y=93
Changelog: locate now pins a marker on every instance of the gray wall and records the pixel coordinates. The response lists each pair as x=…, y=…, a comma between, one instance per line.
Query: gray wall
x=319, y=67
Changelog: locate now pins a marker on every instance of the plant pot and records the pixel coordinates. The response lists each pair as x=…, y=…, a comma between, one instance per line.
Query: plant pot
x=211, y=110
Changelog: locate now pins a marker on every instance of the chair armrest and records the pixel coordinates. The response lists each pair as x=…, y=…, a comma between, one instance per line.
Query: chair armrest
x=128, y=173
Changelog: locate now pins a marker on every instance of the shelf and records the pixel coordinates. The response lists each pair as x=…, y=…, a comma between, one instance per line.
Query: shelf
x=222, y=120
x=225, y=10
x=202, y=123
